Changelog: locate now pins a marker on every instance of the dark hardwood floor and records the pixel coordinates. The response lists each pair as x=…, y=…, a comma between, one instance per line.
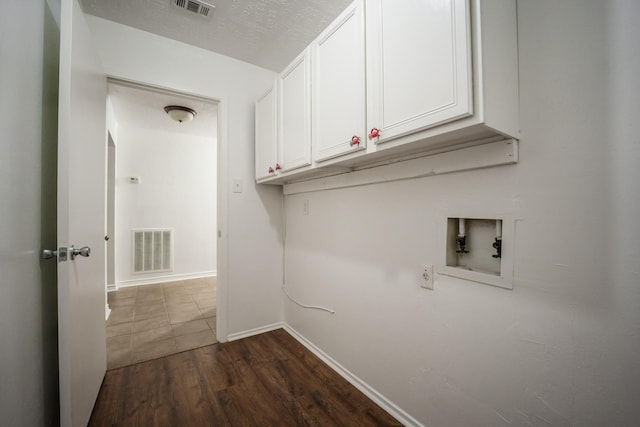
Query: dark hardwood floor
x=265, y=380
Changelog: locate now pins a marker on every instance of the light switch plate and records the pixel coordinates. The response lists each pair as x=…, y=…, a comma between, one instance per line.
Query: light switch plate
x=237, y=186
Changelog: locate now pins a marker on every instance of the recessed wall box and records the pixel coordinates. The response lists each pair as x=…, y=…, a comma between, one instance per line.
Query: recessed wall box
x=480, y=250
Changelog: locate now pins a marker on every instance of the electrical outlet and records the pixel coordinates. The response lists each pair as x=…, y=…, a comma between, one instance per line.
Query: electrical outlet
x=427, y=277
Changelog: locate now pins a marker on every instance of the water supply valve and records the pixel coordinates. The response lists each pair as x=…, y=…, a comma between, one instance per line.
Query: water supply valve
x=461, y=241
x=497, y=245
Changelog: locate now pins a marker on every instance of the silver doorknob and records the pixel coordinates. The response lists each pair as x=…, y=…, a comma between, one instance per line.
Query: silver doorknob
x=60, y=254
x=85, y=251
x=48, y=254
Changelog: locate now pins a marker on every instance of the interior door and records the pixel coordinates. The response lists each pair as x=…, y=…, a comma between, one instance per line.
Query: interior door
x=81, y=218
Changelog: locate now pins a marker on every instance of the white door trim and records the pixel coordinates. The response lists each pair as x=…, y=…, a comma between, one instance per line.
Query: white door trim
x=222, y=199
x=223, y=209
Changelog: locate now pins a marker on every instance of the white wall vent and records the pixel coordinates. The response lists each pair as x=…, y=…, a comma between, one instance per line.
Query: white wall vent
x=152, y=250
x=195, y=6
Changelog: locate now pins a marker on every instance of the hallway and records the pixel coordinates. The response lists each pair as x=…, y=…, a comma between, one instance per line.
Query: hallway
x=151, y=321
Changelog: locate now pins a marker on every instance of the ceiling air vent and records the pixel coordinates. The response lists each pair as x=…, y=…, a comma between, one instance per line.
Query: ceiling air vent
x=195, y=6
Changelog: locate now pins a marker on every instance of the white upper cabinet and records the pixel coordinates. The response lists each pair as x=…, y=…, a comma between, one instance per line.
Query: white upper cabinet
x=418, y=65
x=339, y=113
x=390, y=80
x=266, y=135
x=294, y=142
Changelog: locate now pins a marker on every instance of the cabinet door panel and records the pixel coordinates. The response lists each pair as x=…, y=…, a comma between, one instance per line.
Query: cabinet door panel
x=339, y=86
x=266, y=134
x=419, y=64
x=294, y=113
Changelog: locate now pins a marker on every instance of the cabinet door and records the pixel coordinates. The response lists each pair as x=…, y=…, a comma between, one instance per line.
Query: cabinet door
x=419, y=65
x=295, y=115
x=339, y=86
x=266, y=142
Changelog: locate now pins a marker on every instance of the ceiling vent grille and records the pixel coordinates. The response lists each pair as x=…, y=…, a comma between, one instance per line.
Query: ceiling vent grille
x=195, y=6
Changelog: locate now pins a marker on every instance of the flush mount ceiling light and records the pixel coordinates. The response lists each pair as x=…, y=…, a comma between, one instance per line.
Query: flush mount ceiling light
x=180, y=114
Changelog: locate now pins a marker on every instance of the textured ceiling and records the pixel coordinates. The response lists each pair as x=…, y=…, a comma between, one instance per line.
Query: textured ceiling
x=266, y=33
x=142, y=108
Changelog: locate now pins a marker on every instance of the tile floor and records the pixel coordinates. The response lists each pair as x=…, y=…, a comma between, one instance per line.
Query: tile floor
x=152, y=321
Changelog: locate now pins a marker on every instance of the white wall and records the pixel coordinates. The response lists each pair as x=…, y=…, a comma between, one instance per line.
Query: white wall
x=177, y=190
x=29, y=50
x=562, y=347
x=112, y=121
x=253, y=268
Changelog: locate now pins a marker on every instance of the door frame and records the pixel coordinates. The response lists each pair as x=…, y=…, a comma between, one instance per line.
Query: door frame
x=221, y=193
x=110, y=212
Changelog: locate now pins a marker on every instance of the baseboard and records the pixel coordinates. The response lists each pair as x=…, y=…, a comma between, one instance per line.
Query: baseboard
x=255, y=331
x=107, y=312
x=369, y=391
x=164, y=279
x=112, y=287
